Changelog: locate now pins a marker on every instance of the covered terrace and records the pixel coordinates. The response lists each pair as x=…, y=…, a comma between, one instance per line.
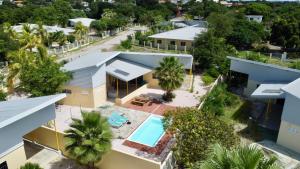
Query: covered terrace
x=272, y=99
x=124, y=77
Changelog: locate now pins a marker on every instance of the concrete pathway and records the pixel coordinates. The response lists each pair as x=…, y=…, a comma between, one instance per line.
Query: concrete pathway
x=104, y=45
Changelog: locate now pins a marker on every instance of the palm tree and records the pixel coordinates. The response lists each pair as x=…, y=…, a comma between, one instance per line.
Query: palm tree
x=30, y=166
x=16, y=59
x=80, y=30
x=8, y=29
x=88, y=139
x=28, y=38
x=244, y=157
x=170, y=75
x=41, y=32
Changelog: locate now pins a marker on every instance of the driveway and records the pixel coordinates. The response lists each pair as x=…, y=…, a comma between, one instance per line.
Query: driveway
x=105, y=45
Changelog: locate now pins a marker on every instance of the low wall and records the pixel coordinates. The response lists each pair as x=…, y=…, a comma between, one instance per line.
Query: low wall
x=137, y=92
x=112, y=160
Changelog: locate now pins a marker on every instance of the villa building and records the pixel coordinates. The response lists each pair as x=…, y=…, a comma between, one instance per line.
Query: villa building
x=18, y=118
x=113, y=75
x=85, y=21
x=49, y=29
x=177, y=39
x=256, y=18
x=279, y=89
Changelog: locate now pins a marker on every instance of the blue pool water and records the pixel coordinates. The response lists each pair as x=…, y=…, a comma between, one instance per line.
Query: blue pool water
x=149, y=132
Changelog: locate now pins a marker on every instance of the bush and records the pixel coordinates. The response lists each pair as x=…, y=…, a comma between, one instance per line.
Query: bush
x=71, y=38
x=126, y=44
x=3, y=95
x=207, y=79
x=30, y=166
x=218, y=99
x=194, y=132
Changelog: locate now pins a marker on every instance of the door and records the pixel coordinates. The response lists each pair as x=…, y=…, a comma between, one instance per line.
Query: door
x=3, y=165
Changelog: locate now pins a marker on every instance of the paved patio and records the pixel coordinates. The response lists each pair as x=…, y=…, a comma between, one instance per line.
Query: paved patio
x=64, y=115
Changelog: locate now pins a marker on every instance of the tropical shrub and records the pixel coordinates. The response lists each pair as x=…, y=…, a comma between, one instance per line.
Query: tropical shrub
x=218, y=99
x=207, y=79
x=44, y=78
x=170, y=75
x=88, y=139
x=126, y=44
x=249, y=157
x=194, y=131
x=30, y=166
x=71, y=38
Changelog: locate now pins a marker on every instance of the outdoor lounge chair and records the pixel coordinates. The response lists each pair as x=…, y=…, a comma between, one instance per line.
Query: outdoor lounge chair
x=116, y=120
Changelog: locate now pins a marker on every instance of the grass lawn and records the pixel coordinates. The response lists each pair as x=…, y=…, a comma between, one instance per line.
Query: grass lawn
x=237, y=113
x=290, y=63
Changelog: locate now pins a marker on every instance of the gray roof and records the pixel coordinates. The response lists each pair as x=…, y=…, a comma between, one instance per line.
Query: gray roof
x=187, y=33
x=85, y=21
x=91, y=59
x=126, y=70
x=269, y=91
x=14, y=110
x=263, y=64
x=293, y=88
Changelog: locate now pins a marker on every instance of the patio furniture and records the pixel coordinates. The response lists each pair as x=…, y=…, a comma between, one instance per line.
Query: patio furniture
x=139, y=103
x=116, y=120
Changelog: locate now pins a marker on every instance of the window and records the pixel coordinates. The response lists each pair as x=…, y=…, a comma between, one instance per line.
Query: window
x=172, y=42
x=154, y=76
x=3, y=165
x=182, y=43
x=159, y=41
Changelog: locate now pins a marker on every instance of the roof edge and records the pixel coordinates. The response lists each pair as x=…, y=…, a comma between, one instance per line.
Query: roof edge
x=32, y=110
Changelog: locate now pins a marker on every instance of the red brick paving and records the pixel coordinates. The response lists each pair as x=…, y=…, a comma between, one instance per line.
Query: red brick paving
x=160, y=146
x=154, y=107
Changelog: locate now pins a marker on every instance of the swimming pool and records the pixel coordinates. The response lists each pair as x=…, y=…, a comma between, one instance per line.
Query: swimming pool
x=149, y=133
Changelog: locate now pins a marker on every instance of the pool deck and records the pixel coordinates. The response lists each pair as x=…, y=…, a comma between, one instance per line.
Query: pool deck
x=64, y=115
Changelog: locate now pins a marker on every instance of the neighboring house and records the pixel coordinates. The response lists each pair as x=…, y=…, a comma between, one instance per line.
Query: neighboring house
x=256, y=18
x=1, y=2
x=180, y=22
x=49, y=29
x=18, y=118
x=279, y=89
x=113, y=75
x=178, y=39
x=85, y=21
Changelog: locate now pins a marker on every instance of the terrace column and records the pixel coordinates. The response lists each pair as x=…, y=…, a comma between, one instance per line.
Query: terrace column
x=56, y=136
x=117, y=88
x=136, y=83
x=127, y=88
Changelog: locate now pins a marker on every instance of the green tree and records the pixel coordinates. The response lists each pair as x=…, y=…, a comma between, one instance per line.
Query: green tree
x=221, y=24
x=88, y=139
x=43, y=78
x=258, y=9
x=248, y=157
x=30, y=166
x=194, y=132
x=246, y=33
x=80, y=30
x=210, y=53
x=2, y=83
x=170, y=75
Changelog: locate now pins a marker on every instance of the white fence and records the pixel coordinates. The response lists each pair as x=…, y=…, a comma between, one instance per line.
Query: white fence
x=84, y=42
x=161, y=46
x=217, y=81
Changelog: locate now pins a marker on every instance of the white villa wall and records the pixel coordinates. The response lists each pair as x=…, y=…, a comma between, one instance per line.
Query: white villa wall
x=14, y=132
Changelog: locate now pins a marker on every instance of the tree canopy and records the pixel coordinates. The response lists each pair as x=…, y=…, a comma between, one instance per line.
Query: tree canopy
x=195, y=131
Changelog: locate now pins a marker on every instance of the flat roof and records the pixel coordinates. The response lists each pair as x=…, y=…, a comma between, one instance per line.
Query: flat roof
x=263, y=64
x=49, y=29
x=85, y=21
x=14, y=110
x=187, y=33
x=269, y=91
x=126, y=70
x=91, y=59
x=293, y=88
